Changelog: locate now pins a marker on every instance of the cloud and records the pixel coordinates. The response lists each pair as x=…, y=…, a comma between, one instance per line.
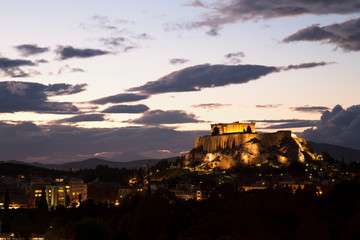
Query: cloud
x=140, y=108
x=175, y=61
x=115, y=36
x=344, y=35
x=235, y=57
x=41, y=61
x=198, y=77
x=268, y=106
x=338, y=126
x=113, y=41
x=210, y=106
x=294, y=124
x=66, y=143
x=71, y=52
x=11, y=67
x=31, y=49
x=278, y=120
x=64, y=89
x=83, y=118
x=196, y=3
x=226, y=12
x=156, y=117
x=120, y=98
x=33, y=97
x=66, y=68
x=310, y=109
x=143, y=36
x=307, y=65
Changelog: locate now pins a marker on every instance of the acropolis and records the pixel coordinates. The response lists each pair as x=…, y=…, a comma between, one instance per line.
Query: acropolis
x=235, y=127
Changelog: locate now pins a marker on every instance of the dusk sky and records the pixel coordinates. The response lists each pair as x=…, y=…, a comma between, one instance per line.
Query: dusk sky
x=127, y=80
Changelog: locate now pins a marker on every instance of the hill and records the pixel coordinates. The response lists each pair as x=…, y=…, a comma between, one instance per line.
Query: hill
x=337, y=152
x=92, y=163
x=229, y=149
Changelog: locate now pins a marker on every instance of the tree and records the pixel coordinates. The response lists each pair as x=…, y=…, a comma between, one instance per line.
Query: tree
x=67, y=200
x=194, y=164
x=327, y=158
x=215, y=131
x=89, y=229
x=248, y=129
x=6, y=200
x=43, y=206
x=21, y=225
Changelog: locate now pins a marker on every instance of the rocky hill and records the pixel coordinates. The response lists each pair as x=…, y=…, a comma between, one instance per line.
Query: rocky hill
x=227, y=150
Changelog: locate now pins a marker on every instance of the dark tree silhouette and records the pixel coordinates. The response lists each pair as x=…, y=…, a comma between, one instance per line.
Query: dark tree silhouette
x=43, y=206
x=21, y=226
x=248, y=129
x=67, y=200
x=89, y=229
x=215, y=131
x=6, y=199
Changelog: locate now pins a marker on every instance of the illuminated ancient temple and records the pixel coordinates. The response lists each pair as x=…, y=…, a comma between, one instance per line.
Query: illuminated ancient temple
x=235, y=127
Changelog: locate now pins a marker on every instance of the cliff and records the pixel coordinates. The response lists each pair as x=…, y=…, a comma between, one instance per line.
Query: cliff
x=213, y=143
x=227, y=150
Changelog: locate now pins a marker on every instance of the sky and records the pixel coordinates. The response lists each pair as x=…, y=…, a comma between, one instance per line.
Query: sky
x=128, y=80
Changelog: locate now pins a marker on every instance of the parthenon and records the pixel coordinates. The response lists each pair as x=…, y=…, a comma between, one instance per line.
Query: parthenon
x=235, y=127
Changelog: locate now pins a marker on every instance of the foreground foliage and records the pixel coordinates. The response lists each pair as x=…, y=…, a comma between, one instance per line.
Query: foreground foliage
x=226, y=214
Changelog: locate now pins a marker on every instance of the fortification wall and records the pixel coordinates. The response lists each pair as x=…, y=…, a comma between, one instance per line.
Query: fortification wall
x=213, y=143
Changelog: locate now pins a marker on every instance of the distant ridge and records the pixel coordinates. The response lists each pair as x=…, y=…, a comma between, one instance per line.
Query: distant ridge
x=337, y=152
x=93, y=163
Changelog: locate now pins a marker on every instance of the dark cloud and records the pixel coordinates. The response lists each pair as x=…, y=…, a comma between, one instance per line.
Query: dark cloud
x=33, y=97
x=140, y=108
x=62, y=143
x=31, y=49
x=339, y=126
x=41, y=61
x=157, y=117
x=210, y=106
x=225, y=12
x=268, y=106
x=307, y=65
x=235, y=57
x=311, y=109
x=277, y=120
x=83, y=118
x=6, y=63
x=64, y=89
x=204, y=76
x=11, y=67
x=293, y=124
x=236, y=54
x=71, y=52
x=344, y=35
x=120, y=98
x=178, y=60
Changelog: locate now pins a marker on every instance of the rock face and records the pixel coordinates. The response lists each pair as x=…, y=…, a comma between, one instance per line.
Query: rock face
x=227, y=150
